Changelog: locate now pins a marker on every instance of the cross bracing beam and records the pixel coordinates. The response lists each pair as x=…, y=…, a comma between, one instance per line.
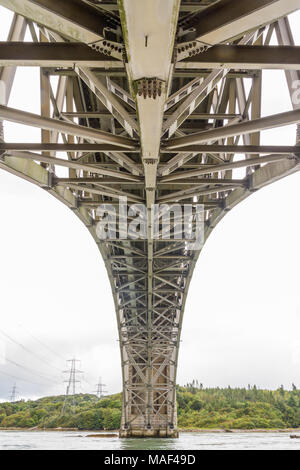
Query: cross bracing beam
x=100, y=180
x=72, y=18
x=72, y=164
x=78, y=147
x=120, y=73
x=86, y=147
x=285, y=37
x=195, y=98
x=161, y=184
x=185, y=6
x=181, y=195
x=120, y=92
x=7, y=74
x=194, y=116
x=195, y=6
x=102, y=192
x=108, y=100
x=244, y=57
x=59, y=54
x=230, y=19
x=197, y=95
x=30, y=119
x=227, y=166
x=186, y=154
x=246, y=127
x=236, y=149
x=108, y=6
x=95, y=203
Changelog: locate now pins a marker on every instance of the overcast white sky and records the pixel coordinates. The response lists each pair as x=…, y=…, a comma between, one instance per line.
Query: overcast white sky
x=242, y=318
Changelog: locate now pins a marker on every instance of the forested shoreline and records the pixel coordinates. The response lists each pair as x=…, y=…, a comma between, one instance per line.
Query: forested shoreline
x=197, y=407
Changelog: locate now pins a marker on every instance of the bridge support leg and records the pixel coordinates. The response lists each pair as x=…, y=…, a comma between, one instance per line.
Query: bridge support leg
x=136, y=413
x=151, y=337
x=149, y=406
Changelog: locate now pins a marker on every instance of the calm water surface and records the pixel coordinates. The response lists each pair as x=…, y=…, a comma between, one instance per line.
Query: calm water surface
x=45, y=440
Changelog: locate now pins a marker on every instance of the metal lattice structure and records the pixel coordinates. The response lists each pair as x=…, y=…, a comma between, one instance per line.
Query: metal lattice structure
x=151, y=104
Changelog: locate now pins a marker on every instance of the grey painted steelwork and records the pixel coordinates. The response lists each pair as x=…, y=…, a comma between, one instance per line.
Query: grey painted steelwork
x=244, y=57
x=166, y=128
x=44, y=54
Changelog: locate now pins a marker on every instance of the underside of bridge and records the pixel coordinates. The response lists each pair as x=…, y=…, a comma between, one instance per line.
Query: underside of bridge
x=159, y=102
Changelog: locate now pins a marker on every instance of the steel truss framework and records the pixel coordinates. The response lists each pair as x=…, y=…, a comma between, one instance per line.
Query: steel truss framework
x=151, y=104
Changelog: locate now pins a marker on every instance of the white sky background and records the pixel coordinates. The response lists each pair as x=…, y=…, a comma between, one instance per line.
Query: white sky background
x=242, y=318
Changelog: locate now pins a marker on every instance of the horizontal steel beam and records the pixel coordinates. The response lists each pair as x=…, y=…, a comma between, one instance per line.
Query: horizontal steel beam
x=177, y=73
x=246, y=127
x=180, y=196
x=194, y=73
x=71, y=164
x=184, y=7
x=240, y=149
x=109, y=6
x=160, y=184
x=93, y=203
x=229, y=19
x=192, y=117
x=73, y=18
x=245, y=57
x=195, y=6
x=59, y=54
x=102, y=192
x=224, y=167
x=45, y=147
x=93, y=148
x=199, y=181
x=34, y=120
x=98, y=180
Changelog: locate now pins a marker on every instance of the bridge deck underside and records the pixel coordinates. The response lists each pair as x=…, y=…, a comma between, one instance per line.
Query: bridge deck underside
x=151, y=107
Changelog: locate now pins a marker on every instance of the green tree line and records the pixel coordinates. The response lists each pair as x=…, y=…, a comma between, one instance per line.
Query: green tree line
x=197, y=407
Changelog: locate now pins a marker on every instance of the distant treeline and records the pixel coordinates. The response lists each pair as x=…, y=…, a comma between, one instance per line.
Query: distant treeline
x=198, y=408
x=234, y=408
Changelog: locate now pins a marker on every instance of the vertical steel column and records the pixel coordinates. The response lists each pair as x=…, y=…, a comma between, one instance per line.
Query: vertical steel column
x=16, y=33
x=45, y=101
x=69, y=108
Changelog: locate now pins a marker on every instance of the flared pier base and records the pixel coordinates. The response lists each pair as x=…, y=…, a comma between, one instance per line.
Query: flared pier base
x=154, y=433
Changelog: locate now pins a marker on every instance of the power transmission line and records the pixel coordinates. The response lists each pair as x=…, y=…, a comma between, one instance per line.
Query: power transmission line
x=28, y=350
x=34, y=373
x=87, y=381
x=20, y=379
x=88, y=386
x=42, y=343
x=71, y=383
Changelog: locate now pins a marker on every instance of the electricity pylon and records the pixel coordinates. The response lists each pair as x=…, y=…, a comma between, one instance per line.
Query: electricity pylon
x=100, y=389
x=13, y=394
x=71, y=383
